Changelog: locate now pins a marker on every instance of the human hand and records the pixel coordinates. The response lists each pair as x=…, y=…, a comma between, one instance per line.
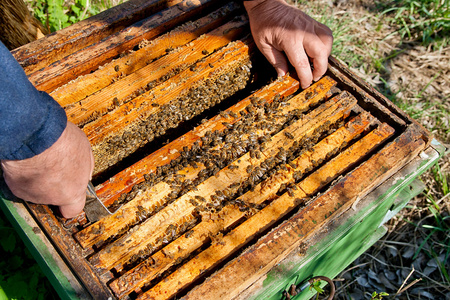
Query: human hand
x=58, y=176
x=278, y=27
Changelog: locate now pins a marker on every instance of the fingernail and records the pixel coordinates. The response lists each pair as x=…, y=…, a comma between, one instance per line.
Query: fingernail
x=305, y=86
x=281, y=73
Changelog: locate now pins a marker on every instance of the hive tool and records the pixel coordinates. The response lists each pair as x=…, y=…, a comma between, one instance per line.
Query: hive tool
x=94, y=207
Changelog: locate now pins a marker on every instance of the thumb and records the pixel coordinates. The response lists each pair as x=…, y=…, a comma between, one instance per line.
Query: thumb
x=73, y=209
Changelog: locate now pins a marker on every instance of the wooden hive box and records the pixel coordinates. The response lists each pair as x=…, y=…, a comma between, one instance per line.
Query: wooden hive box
x=234, y=184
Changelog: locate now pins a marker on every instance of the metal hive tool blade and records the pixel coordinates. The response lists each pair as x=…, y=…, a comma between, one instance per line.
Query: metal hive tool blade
x=94, y=207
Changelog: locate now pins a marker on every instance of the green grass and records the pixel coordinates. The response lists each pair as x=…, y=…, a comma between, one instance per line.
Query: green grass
x=423, y=23
x=442, y=179
x=344, y=42
x=421, y=107
x=425, y=20
x=405, y=24
x=58, y=14
x=20, y=275
x=436, y=231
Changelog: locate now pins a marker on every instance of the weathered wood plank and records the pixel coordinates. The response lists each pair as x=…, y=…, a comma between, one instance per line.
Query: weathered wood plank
x=70, y=250
x=90, y=235
x=177, y=61
x=116, y=254
x=272, y=248
x=373, y=98
x=265, y=218
x=202, y=233
x=95, y=55
x=43, y=52
x=88, y=84
x=137, y=122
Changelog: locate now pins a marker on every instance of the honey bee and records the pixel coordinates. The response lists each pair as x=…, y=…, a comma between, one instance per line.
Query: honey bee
x=233, y=114
x=290, y=192
x=288, y=135
x=227, y=125
x=233, y=167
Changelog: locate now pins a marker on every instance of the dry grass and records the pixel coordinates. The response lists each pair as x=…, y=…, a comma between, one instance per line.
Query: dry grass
x=412, y=260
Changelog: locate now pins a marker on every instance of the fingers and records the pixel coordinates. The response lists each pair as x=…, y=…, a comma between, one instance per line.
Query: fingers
x=315, y=48
x=83, y=160
x=57, y=176
x=320, y=50
x=282, y=31
x=298, y=58
x=293, y=53
x=72, y=210
x=276, y=58
x=78, y=171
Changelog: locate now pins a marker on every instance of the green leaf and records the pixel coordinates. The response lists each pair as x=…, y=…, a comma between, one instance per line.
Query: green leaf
x=2, y=293
x=76, y=10
x=3, y=223
x=17, y=287
x=17, y=261
x=316, y=286
x=33, y=284
x=8, y=242
x=83, y=3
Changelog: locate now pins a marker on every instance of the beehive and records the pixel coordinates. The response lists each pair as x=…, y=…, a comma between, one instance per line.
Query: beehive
x=223, y=170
